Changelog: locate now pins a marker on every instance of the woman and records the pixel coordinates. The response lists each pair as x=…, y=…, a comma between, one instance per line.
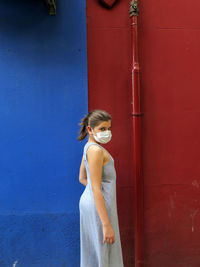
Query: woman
x=99, y=230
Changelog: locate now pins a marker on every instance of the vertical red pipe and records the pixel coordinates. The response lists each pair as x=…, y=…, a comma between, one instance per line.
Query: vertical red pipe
x=136, y=126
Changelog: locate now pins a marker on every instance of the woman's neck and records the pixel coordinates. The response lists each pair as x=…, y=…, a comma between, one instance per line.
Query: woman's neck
x=92, y=140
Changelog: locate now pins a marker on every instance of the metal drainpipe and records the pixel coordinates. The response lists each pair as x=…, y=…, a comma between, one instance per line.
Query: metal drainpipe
x=136, y=127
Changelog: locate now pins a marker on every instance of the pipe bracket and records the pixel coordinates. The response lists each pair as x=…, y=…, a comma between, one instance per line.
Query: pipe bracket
x=134, y=10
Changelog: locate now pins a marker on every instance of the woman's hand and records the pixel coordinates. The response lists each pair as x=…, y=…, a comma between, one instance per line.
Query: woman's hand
x=108, y=234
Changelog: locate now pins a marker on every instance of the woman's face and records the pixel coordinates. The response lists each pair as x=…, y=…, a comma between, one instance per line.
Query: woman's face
x=102, y=126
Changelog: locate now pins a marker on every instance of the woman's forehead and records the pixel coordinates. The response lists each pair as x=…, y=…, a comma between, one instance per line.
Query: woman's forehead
x=104, y=123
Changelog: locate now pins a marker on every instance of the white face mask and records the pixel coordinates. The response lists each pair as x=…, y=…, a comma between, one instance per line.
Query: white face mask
x=103, y=137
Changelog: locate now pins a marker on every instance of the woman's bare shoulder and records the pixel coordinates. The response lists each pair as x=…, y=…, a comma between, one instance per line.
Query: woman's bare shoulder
x=95, y=150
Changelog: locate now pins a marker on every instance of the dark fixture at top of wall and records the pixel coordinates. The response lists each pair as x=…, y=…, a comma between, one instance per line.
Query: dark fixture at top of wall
x=51, y=5
x=108, y=3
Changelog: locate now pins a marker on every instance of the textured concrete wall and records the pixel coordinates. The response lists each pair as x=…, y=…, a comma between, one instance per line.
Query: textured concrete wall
x=43, y=94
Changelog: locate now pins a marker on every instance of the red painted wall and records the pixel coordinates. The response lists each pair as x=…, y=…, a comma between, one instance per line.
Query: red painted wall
x=169, y=59
x=169, y=56
x=109, y=65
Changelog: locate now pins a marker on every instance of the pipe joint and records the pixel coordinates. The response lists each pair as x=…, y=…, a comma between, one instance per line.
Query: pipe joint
x=137, y=114
x=136, y=67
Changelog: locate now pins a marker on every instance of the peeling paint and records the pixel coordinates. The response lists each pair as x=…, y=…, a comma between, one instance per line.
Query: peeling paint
x=169, y=211
x=195, y=183
x=172, y=202
x=192, y=216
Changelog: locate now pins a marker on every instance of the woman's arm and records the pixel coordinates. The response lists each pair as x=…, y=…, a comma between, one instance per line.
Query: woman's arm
x=82, y=174
x=95, y=162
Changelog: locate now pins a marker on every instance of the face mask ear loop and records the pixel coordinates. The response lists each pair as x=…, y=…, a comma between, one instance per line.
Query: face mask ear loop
x=92, y=132
x=94, y=135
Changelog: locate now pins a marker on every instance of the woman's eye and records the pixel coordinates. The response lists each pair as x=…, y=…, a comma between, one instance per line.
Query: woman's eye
x=102, y=129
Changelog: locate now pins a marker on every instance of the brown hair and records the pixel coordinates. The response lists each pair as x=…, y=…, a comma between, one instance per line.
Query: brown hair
x=93, y=118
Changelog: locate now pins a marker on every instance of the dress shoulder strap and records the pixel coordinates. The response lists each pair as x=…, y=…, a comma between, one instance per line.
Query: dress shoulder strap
x=88, y=144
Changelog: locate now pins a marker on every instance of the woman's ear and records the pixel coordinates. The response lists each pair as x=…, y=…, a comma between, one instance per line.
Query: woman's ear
x=89, y=129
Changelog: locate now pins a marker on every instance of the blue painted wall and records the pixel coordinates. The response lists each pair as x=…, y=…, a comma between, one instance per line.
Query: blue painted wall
x=43, y=94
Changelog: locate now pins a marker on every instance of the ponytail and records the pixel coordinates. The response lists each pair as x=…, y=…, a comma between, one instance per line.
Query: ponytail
x=83, y=130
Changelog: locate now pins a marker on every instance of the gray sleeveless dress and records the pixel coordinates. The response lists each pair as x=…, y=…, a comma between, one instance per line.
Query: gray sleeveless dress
x=95, y=253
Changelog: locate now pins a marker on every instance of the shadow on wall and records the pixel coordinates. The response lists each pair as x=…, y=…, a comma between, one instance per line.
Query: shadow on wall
x=27, y=23
x=18, y=16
